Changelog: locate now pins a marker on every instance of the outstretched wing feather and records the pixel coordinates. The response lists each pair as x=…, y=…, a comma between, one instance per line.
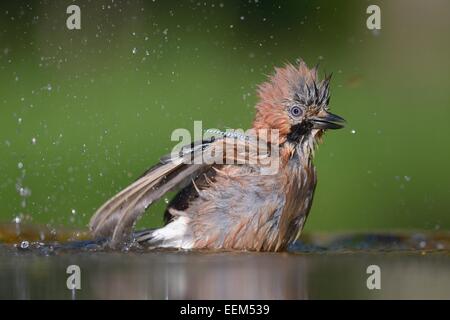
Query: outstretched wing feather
x=115, y=219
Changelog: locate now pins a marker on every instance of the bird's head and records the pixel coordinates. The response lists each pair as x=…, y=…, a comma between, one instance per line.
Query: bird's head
x=295, y=103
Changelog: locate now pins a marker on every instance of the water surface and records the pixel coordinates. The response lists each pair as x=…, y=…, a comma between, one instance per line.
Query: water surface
x=318, y=267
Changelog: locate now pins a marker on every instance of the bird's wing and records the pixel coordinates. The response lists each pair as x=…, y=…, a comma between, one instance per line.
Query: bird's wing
x=116, y=218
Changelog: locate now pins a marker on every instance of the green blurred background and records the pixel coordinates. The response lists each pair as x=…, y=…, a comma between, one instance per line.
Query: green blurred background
x=84, y=112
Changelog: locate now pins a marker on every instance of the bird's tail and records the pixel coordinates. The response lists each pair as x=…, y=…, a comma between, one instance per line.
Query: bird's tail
x=144, y=236
x=175, y=234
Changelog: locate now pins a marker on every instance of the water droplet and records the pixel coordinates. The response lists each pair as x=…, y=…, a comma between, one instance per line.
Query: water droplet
x=33, y=140
x=353, y=131
x=134, y=50
x=73, y=211
x=17, y=219
x=24, y=244
x=24, y=192
x=407, y=178
x=20, y=165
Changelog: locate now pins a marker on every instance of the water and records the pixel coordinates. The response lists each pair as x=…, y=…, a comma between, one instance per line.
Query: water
x=319, y=267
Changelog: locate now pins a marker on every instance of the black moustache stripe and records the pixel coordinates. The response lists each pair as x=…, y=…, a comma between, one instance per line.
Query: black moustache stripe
x=298, y=131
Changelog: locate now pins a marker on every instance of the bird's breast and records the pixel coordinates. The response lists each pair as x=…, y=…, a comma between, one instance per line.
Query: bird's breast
x=300, y=177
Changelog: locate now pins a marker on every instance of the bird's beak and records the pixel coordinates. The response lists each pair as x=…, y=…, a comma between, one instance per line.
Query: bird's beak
x=327, y=120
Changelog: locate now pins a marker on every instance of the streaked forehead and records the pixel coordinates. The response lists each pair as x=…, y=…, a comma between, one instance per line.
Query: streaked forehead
x=309, y=92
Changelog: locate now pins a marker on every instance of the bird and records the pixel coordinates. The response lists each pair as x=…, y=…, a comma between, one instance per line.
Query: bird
x=224, y=204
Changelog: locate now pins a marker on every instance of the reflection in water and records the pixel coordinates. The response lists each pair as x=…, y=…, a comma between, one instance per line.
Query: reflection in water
x=156, y=275
x=181, y=275
x=178, y=277
x=319, y=267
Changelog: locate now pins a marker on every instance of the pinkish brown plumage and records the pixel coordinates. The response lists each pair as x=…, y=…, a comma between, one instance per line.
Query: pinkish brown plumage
x=235, y=206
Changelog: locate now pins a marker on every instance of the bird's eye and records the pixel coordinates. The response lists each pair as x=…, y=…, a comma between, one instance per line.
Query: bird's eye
x=296, y=111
